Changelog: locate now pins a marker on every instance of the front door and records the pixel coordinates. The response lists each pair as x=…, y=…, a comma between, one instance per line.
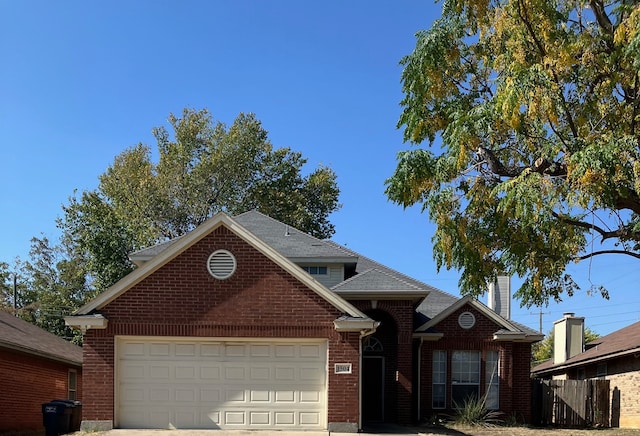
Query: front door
x=373, y=389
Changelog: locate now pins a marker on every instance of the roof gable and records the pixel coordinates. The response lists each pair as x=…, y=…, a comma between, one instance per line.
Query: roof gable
x=18, y=334
x=300, y=247
x=179, y=245
x=508, y=331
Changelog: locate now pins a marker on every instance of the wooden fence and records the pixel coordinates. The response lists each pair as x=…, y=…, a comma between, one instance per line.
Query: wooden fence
x=571, y=403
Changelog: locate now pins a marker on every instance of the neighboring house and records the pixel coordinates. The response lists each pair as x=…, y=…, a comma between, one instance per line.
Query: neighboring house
x=247, y=323
x=36, y=367
x=614, y=357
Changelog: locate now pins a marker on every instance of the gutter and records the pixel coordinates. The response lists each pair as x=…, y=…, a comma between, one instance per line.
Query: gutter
x=37, y=353
x=564, y=365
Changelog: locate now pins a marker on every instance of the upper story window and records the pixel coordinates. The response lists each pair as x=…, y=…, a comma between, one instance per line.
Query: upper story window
x=316, y=270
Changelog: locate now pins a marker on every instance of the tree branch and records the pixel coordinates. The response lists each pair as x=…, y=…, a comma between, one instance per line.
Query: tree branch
x=596, y=253
x=621, y=233
x=541, y=166
x=604, y=233
x=601, y=16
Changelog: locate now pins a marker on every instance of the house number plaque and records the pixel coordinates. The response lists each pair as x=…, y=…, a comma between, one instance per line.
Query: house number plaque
x=343, y=368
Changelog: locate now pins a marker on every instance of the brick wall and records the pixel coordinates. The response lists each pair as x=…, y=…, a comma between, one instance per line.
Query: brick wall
x=183, y=299
x=515, y=386
x=624, y=374
x=27, y=382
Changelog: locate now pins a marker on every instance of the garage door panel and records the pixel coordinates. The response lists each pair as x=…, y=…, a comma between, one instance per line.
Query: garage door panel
x=243, y=385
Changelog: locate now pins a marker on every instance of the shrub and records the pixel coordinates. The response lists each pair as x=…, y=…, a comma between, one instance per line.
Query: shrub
x=473, y=412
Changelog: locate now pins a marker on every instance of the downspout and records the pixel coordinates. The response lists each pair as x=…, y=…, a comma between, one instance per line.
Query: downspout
x=419, y=379
x=363, y=334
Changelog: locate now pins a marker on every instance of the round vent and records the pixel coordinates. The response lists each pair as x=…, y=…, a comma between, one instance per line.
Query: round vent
x=221, y=264
x=466, y=320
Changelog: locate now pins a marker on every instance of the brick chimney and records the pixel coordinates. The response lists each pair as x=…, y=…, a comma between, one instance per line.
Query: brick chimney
x=568, y=337
x=499, y=296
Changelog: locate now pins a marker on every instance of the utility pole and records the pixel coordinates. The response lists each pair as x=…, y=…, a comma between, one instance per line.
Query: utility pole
x=15, y=294
x=541, y=321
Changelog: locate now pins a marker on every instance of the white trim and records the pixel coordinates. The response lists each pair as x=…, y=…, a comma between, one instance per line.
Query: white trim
x=87, y=322
x=356, y=325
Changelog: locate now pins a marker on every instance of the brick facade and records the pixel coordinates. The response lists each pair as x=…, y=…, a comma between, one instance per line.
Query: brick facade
x=514, y=358
x=624, y=375
x=28, y=382
x=260, y=300
x=266, y=299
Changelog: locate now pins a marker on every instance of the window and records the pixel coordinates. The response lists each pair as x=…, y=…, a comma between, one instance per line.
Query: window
x=439, y=390
x=601, y=371
x=492, y=380
x=465, y=376
x=73, y=385
x=371, y=344
x=316, y=270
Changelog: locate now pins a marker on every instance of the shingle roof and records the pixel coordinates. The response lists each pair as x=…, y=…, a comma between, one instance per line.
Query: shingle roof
x=20, y=335
x=289, y=241
x=371, y=275
x=375, y=279
x=297, y=245
x=623, y=341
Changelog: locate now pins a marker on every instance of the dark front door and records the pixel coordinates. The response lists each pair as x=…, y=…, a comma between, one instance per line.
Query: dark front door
x=373, y=389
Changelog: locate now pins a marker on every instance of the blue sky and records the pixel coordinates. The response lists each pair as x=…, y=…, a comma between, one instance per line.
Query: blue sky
x=82, y=81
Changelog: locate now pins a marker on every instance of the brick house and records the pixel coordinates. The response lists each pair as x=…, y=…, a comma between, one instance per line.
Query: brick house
x=36, y=367
x=614, y=357
x=248, y=323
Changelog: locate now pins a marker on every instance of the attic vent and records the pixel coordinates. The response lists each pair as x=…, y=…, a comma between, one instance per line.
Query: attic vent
x=466, y=320
x=221, y=264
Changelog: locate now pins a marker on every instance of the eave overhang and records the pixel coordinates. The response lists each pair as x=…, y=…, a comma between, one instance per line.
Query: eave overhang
x=323, y=260
x=564, y=366
x=86, y=322
x=412, y=295
x=38, y=353
x=349, y=324
x=510, y=336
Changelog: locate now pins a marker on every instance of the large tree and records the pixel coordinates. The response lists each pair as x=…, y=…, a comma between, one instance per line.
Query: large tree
x=201, y=168
x=52, y=284
x=530, y=113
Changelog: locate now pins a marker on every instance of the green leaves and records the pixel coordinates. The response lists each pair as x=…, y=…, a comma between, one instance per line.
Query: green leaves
x=529, y=110
x=203, y=167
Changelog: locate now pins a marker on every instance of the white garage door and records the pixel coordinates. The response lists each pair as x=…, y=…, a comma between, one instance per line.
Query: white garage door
x=169, y=383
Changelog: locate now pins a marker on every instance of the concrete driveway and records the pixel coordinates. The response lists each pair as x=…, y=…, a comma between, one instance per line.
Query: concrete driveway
x=387, y=430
